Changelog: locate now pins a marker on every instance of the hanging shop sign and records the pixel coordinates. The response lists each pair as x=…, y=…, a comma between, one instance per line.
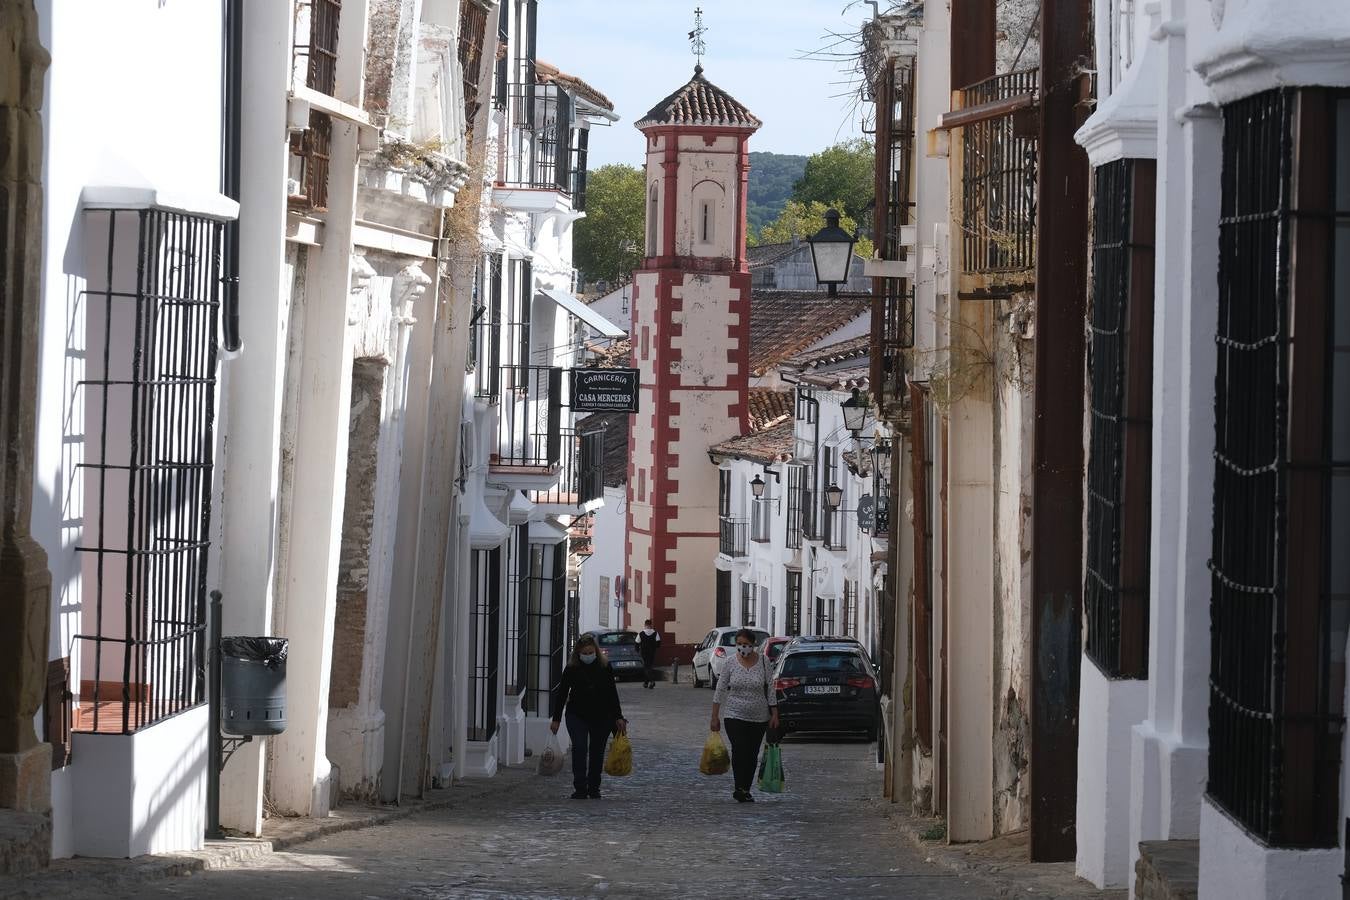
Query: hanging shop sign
x=867, y=512
x=605, y=390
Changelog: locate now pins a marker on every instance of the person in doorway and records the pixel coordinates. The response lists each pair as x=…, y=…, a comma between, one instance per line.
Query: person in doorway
x=590, y=698
x=649, y=641
x=746, y=693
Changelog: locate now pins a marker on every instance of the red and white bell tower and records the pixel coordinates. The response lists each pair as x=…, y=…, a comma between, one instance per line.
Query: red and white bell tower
x=690, y=334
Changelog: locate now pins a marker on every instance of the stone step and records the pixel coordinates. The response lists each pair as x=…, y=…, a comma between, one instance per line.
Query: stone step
x=1167, y=870
x=25, y=842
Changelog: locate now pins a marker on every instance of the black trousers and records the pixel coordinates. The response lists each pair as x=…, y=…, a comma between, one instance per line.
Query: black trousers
x=649, y=670
x=588, y=750
x=745, y=739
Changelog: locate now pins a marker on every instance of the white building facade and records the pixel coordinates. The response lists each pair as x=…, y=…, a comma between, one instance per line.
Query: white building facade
x=1214, y=689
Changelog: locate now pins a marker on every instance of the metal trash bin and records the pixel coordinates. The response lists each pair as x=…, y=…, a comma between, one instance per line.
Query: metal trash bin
x=253, y=685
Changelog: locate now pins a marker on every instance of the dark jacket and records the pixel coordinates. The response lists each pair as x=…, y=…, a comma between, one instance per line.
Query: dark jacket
x=648, y=644
x=590, y=692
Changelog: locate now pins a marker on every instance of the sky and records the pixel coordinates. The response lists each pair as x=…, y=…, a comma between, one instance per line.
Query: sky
x=638, y=52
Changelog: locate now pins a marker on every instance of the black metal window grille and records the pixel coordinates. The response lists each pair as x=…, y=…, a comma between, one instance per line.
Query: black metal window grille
x=893, y=317
x=998, y=169
x=731, y=537
x=807, y=406
x=149, y=407
x=812, y=520
x=580, y=161
x=850, y=608
x=723, y=611
x=833, y=532
x=502, y=74
x=486, y=334
x=516, y=613
x=484, y=629
x=924, y=449
x=542, y=150
x=1121, y=362
x=747, y=605
x=825, y=615
x=724, y=492
x=320, y=54
x=582, y=478
x=521, y=312
x=546, y=607
x=795, y=502
x=793, y=603
x=1280, y=588
x=311, y=154
x=473, y=18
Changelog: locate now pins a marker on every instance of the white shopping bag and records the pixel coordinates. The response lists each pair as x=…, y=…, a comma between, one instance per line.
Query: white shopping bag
x=551, y=757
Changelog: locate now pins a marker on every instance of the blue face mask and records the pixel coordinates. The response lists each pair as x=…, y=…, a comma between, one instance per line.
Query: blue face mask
x=587, y=658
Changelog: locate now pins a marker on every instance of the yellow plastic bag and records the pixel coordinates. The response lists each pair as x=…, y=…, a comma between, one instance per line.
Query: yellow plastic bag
x=715, y=760
x=619, y=759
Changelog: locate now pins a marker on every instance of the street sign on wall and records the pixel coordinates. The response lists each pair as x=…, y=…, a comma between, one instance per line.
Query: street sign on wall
x=604, y=390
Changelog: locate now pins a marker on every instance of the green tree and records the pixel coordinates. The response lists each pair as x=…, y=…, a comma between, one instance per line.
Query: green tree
x=608, y=242
x=842, y=174
x=805, y=219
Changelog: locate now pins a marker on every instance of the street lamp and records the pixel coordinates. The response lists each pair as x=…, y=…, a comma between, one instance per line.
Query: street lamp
x=757, y=487
x=855, y=412
x=832, y=253
x=834, y=495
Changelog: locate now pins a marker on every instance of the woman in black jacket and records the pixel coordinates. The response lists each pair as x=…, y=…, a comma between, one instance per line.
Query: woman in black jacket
x=591, y=699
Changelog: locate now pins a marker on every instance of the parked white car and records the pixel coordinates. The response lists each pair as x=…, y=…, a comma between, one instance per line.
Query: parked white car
x=711, y=654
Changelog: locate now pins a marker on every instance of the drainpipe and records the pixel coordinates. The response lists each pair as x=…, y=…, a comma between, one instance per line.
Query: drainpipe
x=231, y=134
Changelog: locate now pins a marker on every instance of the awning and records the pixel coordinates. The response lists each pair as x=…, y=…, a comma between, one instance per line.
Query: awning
x=584, y=313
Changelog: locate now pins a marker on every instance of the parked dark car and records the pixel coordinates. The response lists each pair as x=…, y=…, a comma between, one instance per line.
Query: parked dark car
x=827, y=687
x=622, y=649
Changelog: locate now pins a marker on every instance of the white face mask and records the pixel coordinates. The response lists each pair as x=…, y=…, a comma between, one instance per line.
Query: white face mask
x=744, y=651
x=587, y=658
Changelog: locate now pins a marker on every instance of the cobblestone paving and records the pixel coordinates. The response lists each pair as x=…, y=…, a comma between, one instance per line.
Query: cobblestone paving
x=665, y=831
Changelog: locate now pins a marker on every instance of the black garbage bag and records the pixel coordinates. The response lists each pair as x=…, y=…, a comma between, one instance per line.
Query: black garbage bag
x=268, y=650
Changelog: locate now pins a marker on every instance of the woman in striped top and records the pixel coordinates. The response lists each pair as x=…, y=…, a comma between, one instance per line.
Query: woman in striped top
x=746, y=691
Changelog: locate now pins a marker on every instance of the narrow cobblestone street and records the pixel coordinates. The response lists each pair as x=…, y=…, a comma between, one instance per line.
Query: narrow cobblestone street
x=665, y=831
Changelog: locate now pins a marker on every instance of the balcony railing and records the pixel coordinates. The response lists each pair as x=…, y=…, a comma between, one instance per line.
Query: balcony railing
x=998, y=202
x=529, y=418
x=731, y=537
x=542, y=153
x=582, y=480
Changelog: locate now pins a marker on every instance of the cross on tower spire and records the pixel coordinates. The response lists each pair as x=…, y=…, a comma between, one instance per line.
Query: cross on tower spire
x=696, y=41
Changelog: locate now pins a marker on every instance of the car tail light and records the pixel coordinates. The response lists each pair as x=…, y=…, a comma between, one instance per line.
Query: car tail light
x=720, y=651
x=782, y=684
x=859, y=681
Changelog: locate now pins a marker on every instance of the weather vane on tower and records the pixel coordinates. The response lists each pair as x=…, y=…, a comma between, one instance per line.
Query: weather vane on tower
x=696, y=37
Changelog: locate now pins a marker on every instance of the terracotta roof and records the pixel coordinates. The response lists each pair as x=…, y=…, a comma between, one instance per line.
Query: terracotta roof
x=768, y=407
x=839, y=379
x=547, y=72
x=850, y=348
x=614, y=355
x=768, y=254
x=700, y=102
x=768, y=446
x=615, y=426
x=784, y=323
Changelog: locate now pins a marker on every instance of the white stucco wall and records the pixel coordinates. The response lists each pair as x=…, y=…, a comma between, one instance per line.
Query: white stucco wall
x=606, y=561
x=130, y=47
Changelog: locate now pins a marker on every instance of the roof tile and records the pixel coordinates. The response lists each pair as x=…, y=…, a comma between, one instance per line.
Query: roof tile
x=700, y=102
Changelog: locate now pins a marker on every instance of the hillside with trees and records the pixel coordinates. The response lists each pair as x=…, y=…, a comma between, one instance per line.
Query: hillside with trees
x=772, y=177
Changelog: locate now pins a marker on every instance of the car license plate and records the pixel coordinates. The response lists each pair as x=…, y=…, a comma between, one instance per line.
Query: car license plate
x=822, y=689
x=627, y=663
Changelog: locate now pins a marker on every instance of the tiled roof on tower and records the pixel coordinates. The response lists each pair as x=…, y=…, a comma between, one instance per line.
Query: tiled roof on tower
x=700, y=102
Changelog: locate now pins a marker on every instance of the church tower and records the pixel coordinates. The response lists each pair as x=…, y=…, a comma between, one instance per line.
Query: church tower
x=690, y=334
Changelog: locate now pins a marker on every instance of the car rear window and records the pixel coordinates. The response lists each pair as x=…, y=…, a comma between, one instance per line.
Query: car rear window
x=823, y=664
x=615, y=638
x=729, y=638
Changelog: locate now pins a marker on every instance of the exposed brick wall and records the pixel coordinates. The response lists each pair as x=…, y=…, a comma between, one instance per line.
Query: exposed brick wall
x=358, y=521
x=1167, y=870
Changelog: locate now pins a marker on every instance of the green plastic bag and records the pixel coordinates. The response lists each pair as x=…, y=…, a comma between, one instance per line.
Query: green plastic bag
x=771, y=778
